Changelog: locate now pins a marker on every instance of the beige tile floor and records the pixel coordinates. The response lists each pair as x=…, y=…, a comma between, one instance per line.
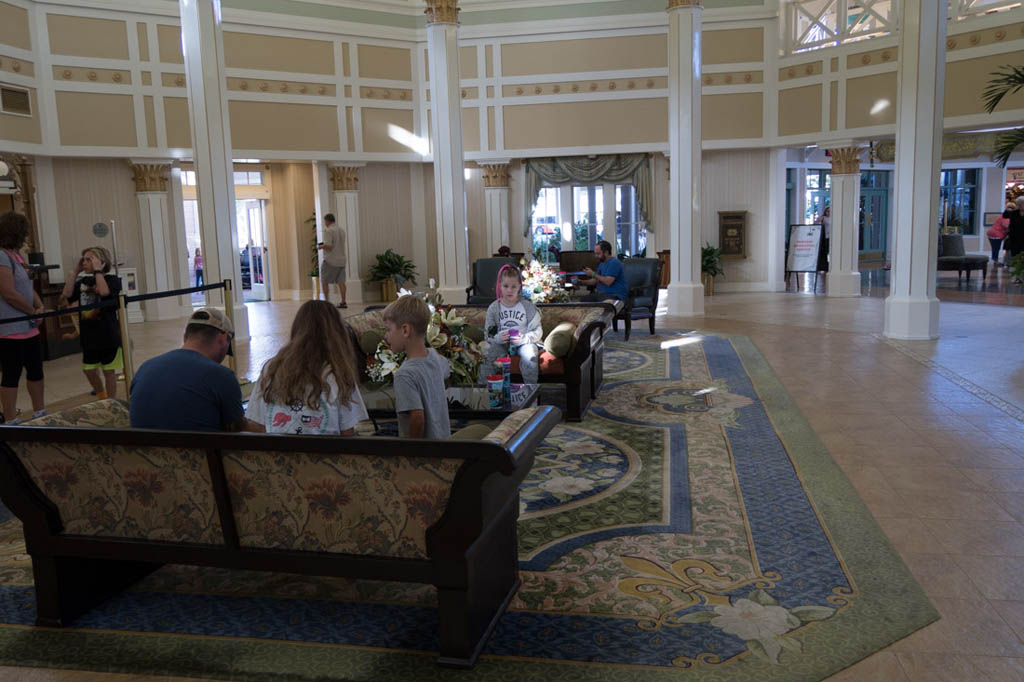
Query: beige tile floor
x=930, y=433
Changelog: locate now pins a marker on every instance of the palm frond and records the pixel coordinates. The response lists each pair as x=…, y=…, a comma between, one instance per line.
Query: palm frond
x=1006, y=144
x=1004, y=83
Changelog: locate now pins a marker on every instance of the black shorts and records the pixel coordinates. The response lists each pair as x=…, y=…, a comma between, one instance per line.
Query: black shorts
x=99, y=356
x=18, y=353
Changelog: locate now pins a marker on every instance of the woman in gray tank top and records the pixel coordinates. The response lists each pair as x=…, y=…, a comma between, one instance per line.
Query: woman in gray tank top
x=20, y=346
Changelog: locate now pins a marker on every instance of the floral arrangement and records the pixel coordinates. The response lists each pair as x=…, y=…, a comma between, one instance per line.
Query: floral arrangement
x=542, y=285
x=446, y=333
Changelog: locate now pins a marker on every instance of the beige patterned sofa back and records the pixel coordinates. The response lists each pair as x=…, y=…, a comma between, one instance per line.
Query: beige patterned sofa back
x=287, y=498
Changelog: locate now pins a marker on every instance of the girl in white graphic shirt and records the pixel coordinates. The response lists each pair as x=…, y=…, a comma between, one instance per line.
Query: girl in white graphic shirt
x=512, y=320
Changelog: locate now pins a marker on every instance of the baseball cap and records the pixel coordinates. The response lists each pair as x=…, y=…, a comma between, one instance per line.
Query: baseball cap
x=212, y=317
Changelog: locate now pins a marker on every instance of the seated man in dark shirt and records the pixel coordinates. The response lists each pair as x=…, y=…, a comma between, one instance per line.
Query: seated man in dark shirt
x=188, y=389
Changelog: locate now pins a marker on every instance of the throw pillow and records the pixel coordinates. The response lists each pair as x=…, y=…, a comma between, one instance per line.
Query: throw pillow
x=562, y=340
x=369, y=340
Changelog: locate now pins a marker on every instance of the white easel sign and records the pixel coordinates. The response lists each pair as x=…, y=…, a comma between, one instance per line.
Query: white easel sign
x=804, y=242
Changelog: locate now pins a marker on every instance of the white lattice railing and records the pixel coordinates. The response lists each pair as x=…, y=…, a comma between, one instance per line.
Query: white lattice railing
x=813, y=24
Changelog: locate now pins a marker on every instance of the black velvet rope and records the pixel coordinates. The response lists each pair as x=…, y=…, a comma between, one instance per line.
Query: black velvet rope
x=113, y=303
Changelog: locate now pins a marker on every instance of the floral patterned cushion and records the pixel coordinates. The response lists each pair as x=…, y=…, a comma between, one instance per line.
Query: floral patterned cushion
x=355, y=504
x=126, y=492
x=510, y=425
x=106, y=414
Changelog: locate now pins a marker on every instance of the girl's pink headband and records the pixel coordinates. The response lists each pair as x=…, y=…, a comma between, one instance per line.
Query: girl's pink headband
x=501, y=273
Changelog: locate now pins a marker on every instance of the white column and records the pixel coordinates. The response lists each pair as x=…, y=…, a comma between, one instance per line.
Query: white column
x=843, y=275
x=157, y=239
x=46, y=214
x=345, y=185
x=685, y=293
x=449, y=172
x=203, y=46
x=777, y=226
x=496, y=204
x=912, y=310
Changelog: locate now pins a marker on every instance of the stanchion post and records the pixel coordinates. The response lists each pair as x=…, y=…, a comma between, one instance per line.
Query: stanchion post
x=229, y=311
x=126, y=345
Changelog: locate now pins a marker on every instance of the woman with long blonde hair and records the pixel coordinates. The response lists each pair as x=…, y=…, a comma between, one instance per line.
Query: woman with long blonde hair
x=311, y=385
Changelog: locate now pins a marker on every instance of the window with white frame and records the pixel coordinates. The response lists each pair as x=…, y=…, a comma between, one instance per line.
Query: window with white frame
x=546, y=227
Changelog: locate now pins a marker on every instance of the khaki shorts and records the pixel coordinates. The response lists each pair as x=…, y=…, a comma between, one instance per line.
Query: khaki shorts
x=330, y=274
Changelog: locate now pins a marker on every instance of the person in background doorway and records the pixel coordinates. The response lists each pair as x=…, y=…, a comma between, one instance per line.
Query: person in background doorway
x=1014, y=242
x=335, y=259
x=20, y=346
x=826, y=237
x=197, y=265
x=99, y=329
x=996, y=234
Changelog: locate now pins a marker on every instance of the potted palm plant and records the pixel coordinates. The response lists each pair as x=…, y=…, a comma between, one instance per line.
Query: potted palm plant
x=710, y=267
x=391, y=270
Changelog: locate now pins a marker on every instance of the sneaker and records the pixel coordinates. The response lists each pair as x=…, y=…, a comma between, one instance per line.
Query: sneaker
x=13, y=422
x=343, y=305
x=40, y=413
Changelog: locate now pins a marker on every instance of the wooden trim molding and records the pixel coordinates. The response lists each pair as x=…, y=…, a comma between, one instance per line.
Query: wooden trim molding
x=672, y=4
x=846, y=160
x=150, y=177
x=442, y=11
x=344, y=178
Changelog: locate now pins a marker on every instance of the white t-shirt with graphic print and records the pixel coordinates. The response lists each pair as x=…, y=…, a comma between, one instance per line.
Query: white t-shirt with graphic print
x=512, y=318
x=330, y=419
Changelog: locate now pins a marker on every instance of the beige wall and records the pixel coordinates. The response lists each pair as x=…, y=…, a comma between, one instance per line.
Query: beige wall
x=375, y=129
x=179, y=133
x=871, y=93
x=169, y=39
x=96, y=120
x=737, y=181
x=966, y=82
x=590, y=54
x=385, y=214
x=278, y=53
x=733, y=46
x=579, y=124
x=393, y=63
x=476, y=217
x=278, y=125
x=732, y=116
x=800, y=110
x=94, y=190
x=86, y=37
x=22, y=128
x=290, y=237
x=14, y=26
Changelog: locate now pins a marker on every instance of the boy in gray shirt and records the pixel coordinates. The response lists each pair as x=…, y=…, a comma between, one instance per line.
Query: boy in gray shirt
x=420, y=398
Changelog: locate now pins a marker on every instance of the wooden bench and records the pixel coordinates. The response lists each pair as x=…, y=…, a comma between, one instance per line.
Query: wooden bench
x=104, y=506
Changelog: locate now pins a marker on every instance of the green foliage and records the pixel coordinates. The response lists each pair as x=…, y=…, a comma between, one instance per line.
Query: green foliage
x=711, y=260
x=1017, y=266
x=541, y=244
x=581, y=236
x=1005, y=83
x=314, y=270
x=391, y=265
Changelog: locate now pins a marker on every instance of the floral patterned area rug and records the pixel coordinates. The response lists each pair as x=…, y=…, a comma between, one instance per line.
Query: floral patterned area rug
x=692, y=527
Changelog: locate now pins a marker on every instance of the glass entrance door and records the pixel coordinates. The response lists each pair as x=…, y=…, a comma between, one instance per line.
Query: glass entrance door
x=874, y=216
x=252, y=246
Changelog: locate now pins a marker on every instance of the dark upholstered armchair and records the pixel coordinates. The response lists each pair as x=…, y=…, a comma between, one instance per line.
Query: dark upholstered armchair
x=485, y=277
x=576, y=261
x=643, y=277
x=953, y=257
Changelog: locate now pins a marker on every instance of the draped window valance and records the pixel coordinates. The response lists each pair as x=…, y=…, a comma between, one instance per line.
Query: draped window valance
x=630, y=169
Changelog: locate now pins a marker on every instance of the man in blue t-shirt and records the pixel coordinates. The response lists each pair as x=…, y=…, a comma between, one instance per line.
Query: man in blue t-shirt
x=609, y=278
x=188, y=389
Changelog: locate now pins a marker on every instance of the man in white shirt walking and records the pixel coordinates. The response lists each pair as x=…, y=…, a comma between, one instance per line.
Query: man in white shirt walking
x=332, y=270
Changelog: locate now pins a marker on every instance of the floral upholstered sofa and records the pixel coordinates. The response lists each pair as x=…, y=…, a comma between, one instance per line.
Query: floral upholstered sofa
x=578, y=364
x=103, y=505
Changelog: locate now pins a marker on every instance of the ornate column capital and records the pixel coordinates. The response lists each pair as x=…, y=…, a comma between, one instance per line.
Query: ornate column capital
x=150, y=177
x=495, y=175
x=846, y=160
x=344, y=178
x=442, y=11
x=672, y=4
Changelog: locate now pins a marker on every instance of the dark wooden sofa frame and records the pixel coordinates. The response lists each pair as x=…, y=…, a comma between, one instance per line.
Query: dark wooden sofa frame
x=472, y=548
